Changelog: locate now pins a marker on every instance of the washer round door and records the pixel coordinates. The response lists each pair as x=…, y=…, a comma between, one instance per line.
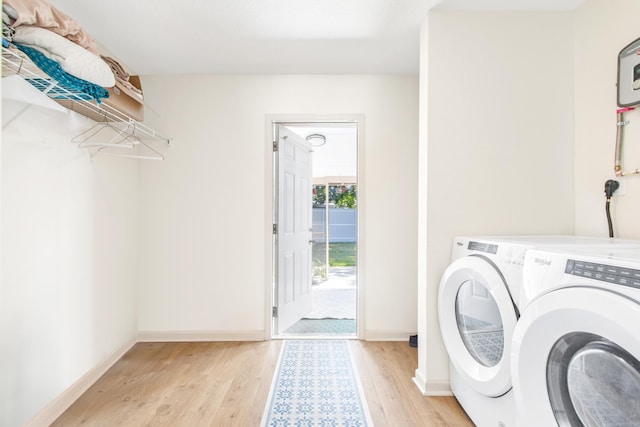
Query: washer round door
x=477, y=318
x=576, y=355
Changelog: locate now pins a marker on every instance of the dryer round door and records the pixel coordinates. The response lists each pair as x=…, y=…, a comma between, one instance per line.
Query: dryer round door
x=477, y=319
x=576, y=360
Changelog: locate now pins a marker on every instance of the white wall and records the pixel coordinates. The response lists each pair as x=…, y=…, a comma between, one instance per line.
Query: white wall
x=499, y=141
x=204, y=210
x=602, y=29
x=69, y=254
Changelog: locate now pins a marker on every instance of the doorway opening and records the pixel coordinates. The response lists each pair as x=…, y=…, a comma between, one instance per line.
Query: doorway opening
x=315, y=238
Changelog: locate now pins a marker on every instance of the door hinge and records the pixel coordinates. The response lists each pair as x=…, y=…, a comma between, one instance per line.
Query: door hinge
x=274, y=311
x=275, y=228
x=275, y=145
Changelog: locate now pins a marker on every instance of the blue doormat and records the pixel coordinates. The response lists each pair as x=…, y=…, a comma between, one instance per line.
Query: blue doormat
x=323, y=327
x=316, y=384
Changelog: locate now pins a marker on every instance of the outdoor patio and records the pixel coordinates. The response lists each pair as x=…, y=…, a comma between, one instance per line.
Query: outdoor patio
x=334, y=306
x=335, y=297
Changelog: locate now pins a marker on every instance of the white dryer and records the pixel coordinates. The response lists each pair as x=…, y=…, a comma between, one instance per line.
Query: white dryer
x=576, y=348
x=478, y=307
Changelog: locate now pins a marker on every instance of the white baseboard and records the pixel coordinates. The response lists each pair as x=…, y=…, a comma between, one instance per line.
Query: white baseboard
x=431, y=388
x=438, y=388
x=370, y=335
x=420, y=382
x=57, y=406
x=190, y=336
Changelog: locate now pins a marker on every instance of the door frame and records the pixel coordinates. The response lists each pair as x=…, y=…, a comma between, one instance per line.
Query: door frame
x=270, y=210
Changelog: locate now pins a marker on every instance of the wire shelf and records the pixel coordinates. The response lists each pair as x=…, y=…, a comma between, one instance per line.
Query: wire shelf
x=15, y=62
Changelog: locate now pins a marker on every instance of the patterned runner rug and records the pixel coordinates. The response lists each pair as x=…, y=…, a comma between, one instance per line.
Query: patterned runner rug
x=316, y=384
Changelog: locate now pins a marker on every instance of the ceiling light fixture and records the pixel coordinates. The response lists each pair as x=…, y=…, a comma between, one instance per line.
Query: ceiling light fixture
x=316, y=139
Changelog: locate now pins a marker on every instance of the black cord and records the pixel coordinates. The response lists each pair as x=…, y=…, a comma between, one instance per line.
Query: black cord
x=610, y=187
x=606, y=207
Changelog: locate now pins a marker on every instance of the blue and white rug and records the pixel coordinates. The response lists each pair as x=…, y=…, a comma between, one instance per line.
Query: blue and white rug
x=316, y=384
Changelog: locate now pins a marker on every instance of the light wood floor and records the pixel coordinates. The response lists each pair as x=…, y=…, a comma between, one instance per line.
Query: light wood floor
x=227, y=384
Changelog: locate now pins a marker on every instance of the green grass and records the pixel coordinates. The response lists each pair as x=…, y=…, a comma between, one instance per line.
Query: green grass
x=340, y=254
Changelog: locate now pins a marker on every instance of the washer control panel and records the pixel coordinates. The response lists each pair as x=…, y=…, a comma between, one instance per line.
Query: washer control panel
x=603, y=272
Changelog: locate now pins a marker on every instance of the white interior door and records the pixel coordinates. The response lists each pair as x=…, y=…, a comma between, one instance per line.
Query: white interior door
x=293, y=230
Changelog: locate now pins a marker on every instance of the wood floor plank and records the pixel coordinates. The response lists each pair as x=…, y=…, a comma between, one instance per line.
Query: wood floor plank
x=227, y=384
x=394, y=400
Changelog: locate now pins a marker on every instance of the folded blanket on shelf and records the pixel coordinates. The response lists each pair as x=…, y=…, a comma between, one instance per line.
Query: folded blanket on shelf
x=42, y=14
x=53, y=69
x=122, y=77
x=73, y=59
x=132, y=91
x=9, y=14
x=117, y=68
x=7, y=28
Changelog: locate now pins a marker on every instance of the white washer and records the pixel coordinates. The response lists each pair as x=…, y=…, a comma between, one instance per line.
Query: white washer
x=576, y=348
x=478, y=309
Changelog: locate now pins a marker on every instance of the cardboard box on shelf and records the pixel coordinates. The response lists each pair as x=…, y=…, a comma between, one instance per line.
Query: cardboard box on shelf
x=122, y=103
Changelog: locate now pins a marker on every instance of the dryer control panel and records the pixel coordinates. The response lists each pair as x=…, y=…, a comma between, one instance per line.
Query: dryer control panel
x=483, y=247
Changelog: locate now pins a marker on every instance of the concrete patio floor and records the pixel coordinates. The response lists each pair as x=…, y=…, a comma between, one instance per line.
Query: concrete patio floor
x=335, y=297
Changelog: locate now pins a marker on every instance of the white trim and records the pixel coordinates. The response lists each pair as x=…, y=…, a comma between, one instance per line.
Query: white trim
x=362, y=203
x=438, y=388
x=199, y=336
x=268, y=230
x=270, y=119
x=370, y=335
x=431, y=388
x=420, y=382
x=57, y=406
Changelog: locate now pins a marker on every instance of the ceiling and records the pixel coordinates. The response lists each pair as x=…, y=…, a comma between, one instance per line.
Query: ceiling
x=338, y=155
x=270, y=36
